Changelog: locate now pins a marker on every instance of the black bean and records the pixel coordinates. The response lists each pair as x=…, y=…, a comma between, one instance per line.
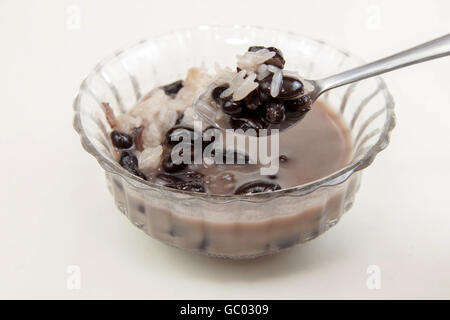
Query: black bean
x=181, y=178
x=217, y=91
x=173, y=88
x=276, y=50
x=256, y=187
x=129, y=162
x=121, y=140
x=188, y=186
x=255, y=48
x=264, y=88
x=277, y=60
x=139, y=173
x=246, y=122
x=179, y=134
x=169, y=166
x=290, y=88
x=252, y=101
x=264, y=97
x=299, y=107
x=231, y=107
x=275, y=112
x=192, y=176
x=168, y=178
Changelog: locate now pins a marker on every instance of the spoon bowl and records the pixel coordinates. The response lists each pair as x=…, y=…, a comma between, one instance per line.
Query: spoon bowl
x=211, y=112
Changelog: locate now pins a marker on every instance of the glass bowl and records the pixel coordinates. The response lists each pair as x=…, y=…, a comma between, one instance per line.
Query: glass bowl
x=231, y=226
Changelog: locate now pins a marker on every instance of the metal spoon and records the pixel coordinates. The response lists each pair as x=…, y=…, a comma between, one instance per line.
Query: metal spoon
x=433, y=49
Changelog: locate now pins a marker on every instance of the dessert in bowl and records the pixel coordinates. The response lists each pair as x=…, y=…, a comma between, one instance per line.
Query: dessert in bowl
x=137, y=98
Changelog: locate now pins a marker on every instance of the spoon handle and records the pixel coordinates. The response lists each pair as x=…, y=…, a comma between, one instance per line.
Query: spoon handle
x=433, y=49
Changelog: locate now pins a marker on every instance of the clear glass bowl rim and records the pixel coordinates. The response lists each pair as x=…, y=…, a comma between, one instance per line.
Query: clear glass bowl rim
x=333, y=179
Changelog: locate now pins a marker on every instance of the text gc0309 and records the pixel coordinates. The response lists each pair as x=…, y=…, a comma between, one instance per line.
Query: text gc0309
x=244, y=309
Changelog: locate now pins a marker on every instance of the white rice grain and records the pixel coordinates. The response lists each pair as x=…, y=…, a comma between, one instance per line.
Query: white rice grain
x=224, y=75
x=228, y=92
x=238, y=80
x=247, y=86
x=275, y=85
x=235, y=83
x=251, y=60
x=150, y=158
x=263, y=72
x=197, y=77
x=152, y=135
x=190, y=116
x=127, y=123
x=272, y=68
x=166, y=119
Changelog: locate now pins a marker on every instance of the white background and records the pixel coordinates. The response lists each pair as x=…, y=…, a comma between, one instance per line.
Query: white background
x=55, y=209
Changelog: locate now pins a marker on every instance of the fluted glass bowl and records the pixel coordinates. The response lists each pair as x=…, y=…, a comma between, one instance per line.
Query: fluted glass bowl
x=231, y=226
